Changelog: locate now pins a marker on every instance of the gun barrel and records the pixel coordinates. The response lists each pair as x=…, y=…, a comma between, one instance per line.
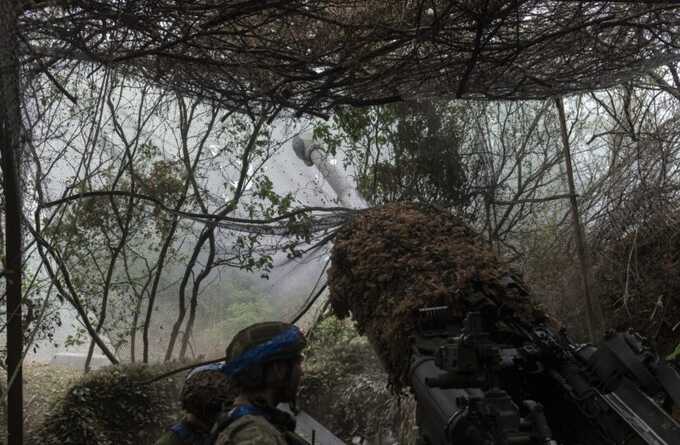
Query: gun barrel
x=647, y=418
x=310, y=151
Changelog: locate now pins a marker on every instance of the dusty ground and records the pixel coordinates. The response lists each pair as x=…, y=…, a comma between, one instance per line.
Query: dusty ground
x=43, y=386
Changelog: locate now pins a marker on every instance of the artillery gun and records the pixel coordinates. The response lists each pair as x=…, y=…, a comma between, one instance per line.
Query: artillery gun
x=484, y=371
x=494, y=380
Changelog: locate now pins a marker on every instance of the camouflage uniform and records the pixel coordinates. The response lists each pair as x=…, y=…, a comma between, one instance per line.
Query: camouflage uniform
x=169, y=438
x=251, y=430
x=204, y=392
x=257, y=424
x=183, y=433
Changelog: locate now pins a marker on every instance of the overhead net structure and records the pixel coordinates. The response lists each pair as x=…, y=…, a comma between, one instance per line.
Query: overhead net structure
x=311, y=56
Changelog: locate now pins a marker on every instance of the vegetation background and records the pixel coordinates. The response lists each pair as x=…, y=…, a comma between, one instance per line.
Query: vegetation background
x=143, y=175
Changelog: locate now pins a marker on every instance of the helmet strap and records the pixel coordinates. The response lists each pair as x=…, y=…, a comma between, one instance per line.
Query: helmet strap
x=292, y=403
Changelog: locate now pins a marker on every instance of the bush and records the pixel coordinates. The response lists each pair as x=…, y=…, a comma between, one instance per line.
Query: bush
x=111, y=406
x=637, y=278
x=345, y=388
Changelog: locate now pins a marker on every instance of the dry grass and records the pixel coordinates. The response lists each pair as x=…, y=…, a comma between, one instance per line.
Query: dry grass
x=45, y=386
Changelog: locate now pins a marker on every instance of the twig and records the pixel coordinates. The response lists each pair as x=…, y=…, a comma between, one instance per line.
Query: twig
x=533, y=200
x=192, y=215
x=626, y=295
x=183, y=368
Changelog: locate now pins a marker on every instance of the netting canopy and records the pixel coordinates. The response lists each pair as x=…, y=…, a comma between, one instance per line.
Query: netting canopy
x=313, y=55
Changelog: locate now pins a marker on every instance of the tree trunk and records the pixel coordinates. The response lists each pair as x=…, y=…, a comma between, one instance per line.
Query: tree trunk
x=594, y=317
x=182, y=296
x=135, y=323
x=68, y=291
x=10, y=148
x=115, y=253
x=194, y=297
x=208, y=234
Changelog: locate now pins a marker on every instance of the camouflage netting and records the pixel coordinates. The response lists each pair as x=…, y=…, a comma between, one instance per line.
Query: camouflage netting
x=330, y=53
x=108, y=406
x=391, y=261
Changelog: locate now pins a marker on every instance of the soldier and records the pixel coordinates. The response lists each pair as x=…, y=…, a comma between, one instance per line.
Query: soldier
x=205, y=390
x=264, y=362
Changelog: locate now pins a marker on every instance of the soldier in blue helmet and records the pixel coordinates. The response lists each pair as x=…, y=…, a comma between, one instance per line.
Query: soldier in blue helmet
x=205, y=391
x=264, y=362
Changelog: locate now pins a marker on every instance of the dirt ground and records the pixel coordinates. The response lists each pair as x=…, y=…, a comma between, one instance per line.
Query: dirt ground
x=43, y=386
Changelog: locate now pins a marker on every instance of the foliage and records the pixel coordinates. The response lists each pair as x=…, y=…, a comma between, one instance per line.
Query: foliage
x=95, y=233
x=172, y=164
x=626, y=152
x=228, y=308
x=345, y=388
x=334, y=338
x=407, y=151
x=637, y=280
x=111, y=406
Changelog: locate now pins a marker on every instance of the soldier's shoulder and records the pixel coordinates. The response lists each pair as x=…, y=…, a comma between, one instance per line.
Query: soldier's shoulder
x=168, y=438
x=251, y=430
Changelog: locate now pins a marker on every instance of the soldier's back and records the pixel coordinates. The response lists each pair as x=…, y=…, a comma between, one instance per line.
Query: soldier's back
x=170, y=438
x=251, y=430
x=182, y=433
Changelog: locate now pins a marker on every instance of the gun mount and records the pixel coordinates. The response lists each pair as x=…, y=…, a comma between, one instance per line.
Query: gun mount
x=486, y=381
x=455, y=379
